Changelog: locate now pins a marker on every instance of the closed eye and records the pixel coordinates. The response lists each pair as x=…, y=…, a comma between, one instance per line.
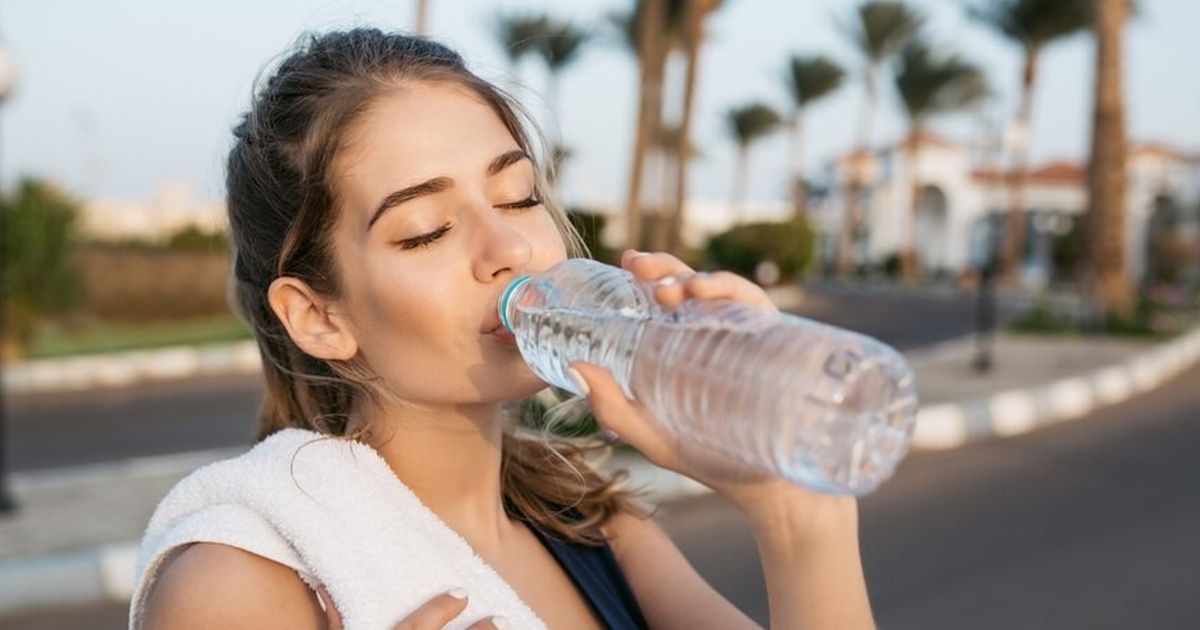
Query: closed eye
x=425, y=240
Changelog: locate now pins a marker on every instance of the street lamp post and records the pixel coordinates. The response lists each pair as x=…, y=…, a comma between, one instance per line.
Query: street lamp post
x=985, y=306
x=7, y=504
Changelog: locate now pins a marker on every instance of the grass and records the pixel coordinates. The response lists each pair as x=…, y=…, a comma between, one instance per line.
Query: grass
x=101, y=337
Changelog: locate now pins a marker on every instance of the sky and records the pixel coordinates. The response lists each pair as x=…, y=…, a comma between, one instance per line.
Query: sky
x=113, y=98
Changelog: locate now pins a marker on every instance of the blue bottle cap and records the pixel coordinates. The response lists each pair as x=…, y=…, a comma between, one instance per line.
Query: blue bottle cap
x=506, y=297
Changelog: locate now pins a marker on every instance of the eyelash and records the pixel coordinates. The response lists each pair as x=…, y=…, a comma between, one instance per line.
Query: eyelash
x=425, y=240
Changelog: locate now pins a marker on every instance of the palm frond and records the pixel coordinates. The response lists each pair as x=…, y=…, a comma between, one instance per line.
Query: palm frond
x=560, y=43
x=1034, y=23
x=750, y=122
x=884, y=27
x=932, y=84
x=518, y=33
x=809, y=77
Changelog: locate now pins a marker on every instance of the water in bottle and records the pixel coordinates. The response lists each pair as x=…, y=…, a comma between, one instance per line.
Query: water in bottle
x=818, y=405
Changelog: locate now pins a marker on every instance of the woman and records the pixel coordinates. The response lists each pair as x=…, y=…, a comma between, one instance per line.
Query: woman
x=380, y=198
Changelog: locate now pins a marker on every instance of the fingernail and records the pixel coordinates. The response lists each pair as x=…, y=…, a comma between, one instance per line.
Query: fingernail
x=668, y=281
x=501, y=622
x=611, y=436
x=579, y=382
x=457, y=593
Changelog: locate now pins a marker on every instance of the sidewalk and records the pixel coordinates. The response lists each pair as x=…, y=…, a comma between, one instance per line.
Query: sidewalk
x=74, y=539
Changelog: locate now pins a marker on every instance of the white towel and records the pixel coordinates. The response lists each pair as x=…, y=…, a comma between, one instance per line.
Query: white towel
x=336, y=513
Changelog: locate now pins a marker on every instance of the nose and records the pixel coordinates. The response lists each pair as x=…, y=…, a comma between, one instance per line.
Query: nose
x=501, y=247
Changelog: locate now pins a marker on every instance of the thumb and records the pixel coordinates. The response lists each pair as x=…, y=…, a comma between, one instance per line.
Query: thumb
x=612, y=408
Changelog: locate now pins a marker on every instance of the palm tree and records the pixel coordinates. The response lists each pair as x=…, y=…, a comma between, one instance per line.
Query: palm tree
x=422, y=19
x=1032, y=25
x=809, y=78
x=1107, y=176
x=747, y=124
x=518, y=36
x=644, y=30
x=558, y=44
x=929, y=85
x=695, y=13
x=880, y=30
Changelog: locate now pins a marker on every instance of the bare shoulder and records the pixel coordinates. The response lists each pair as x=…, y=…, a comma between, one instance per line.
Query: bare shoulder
x=210, y=585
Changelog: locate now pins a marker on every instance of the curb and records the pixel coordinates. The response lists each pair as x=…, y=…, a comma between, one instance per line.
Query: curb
x=121, y=369
x=1018, y=411
x=100, y=574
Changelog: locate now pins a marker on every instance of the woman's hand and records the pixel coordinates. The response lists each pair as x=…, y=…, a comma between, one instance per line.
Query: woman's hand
x=677, y=282
x=432, y=615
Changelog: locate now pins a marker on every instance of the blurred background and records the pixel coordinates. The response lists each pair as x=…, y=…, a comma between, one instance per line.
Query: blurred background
x=1007, y=191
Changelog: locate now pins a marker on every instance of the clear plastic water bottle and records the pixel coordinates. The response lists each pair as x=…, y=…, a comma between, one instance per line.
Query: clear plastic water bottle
x=817, y=405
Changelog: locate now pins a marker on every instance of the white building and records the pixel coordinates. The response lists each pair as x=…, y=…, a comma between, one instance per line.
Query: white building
x=960, y=201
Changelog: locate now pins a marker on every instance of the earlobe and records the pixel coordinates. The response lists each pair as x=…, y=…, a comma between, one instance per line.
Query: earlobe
x=308, y=321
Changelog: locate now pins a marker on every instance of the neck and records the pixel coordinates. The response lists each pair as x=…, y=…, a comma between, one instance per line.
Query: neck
x=450, y=458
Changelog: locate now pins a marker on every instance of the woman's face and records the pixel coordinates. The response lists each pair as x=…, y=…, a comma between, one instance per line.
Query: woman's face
x=422, y=267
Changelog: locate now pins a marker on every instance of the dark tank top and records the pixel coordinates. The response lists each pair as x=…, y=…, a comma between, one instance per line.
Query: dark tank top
x=596, y=574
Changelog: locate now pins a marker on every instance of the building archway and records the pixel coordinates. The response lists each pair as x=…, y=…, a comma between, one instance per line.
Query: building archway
x=1164, y=246
x=930, y=231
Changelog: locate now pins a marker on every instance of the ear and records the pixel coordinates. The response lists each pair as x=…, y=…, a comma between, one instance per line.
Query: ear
x=309, y=322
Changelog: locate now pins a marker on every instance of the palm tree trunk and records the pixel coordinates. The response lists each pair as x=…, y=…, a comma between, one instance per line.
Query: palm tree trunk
x=866, y=112
x=667, y=176
x=552, y=96
x=847, y=249
x=694, y=15
x=738, y=194
x=1014, y=241
x=552, y=90
x=797, y=164
x=650, y=41
x=422, y=21
x=1107, y=175
x=908, y=257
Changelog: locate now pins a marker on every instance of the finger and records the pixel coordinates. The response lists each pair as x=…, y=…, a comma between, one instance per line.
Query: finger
x=725, y=285
x=499, y=622
x=615, y=411
x=670, y=291
x=652, y=266
x=435, y=613
x=333, y=619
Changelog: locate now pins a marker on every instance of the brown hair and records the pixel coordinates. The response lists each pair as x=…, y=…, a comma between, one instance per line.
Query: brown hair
x=282, y=207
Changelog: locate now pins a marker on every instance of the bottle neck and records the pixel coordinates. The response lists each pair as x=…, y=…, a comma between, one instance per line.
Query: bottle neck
x=508, y=298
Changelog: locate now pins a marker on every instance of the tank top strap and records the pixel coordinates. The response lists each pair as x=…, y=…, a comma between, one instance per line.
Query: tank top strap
x=596, y=574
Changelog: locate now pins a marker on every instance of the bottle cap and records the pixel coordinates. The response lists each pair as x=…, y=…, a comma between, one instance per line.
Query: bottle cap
x=506, y=297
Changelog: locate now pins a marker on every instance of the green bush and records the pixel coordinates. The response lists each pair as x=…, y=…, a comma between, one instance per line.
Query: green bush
x=192, y=238
x=788, y=244
x=591, y=226
x=39, y=279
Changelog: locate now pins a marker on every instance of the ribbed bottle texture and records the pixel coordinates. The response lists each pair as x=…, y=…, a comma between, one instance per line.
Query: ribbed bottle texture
x=821, y=406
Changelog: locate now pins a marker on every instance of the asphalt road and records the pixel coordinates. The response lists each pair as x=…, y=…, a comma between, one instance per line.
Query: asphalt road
x=67, y=429
x=1091, y=524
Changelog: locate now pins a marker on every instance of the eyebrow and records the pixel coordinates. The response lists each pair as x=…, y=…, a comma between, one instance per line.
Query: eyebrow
x=438, y=184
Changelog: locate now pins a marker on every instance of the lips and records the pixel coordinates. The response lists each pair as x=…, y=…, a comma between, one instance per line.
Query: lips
x=491, y=323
